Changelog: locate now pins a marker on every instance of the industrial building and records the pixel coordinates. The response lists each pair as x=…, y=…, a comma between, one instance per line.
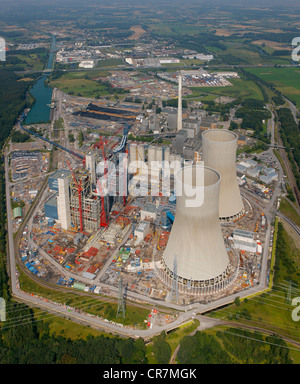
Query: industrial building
x=142, y=230
x=85, y=207
x=17, y=213
x=50, y=208
x=172, y=119
x=192, y=126
x=63, y=202
x=219, y=152
x=244, y=240
x=195, y=258
x=53, y=179
x=191, y=149
x=149, y=212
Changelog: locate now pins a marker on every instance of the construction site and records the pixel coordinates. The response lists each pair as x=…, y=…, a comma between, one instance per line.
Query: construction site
x=82, y=239
x=116, y=215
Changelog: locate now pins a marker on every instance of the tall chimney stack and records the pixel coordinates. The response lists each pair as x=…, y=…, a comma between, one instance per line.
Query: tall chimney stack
x=179, y=110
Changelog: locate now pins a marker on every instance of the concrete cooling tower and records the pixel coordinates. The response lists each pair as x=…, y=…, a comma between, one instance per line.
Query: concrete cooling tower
x=219, y=152
x=195, y=253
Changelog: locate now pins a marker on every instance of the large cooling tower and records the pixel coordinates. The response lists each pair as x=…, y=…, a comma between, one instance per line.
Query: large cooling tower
x=196, y=246
x=219, y=152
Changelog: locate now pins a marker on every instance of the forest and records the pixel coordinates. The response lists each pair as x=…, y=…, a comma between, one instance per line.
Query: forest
x=233, y=346
x=290, y=135
x=253, y=114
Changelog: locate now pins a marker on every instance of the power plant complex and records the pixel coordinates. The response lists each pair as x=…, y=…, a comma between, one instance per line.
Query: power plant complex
x=179, y=236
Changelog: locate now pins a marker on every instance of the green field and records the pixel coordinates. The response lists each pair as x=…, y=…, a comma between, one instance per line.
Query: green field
x=82, y=83
x=288, y=210
x=62, y=327
x=286, y=80
x=109, y=63
x=240, y=88
x=76, y=83
x=238, y=52
x=177, y=28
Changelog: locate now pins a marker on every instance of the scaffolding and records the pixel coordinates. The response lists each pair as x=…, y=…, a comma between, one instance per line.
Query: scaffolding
x=84, y=206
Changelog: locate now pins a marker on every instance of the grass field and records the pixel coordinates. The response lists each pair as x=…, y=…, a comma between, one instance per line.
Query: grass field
x=245, y=89
x=62, y=327
x=84, y=83
x=81, y=83
x=109, y=63
x=177, y=28
x=287, y=209
x=286, y=80
x=243, y=53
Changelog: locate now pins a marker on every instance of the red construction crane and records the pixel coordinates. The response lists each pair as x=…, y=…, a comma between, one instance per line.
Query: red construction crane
x=79, y=190
x=98, y=144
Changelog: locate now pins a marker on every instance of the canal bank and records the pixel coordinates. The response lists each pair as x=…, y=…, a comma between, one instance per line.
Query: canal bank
x=41, y=110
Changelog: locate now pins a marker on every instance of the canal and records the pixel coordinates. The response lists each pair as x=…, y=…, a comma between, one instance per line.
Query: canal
x=40, y=112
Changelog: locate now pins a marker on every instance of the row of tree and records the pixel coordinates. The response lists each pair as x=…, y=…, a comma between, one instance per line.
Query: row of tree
x=290, y=136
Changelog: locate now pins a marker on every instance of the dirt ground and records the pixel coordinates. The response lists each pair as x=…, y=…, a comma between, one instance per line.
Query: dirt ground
x=138, y=32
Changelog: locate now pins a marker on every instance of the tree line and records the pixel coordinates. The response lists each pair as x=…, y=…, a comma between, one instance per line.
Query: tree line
x=290, y=136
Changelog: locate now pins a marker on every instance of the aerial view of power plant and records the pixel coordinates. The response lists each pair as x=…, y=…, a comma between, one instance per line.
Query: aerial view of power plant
x=150, y=185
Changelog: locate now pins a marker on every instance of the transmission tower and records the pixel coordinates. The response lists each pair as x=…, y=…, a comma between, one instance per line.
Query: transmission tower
x=174, y=292
x=121, y=303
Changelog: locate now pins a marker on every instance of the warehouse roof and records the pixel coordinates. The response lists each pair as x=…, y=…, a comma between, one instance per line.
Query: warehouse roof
x=17, y=212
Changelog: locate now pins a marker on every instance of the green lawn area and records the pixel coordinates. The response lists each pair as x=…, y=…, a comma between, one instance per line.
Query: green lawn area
x=62, y=327
x=245, y=89
x=80, y=87
x=243, y=53
x=271, y=310
x=173, y=338
x=287, y=209
x=33, y=61
x=109, y=63
x=286, y=80
x=169, y=28
x=85, y=84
